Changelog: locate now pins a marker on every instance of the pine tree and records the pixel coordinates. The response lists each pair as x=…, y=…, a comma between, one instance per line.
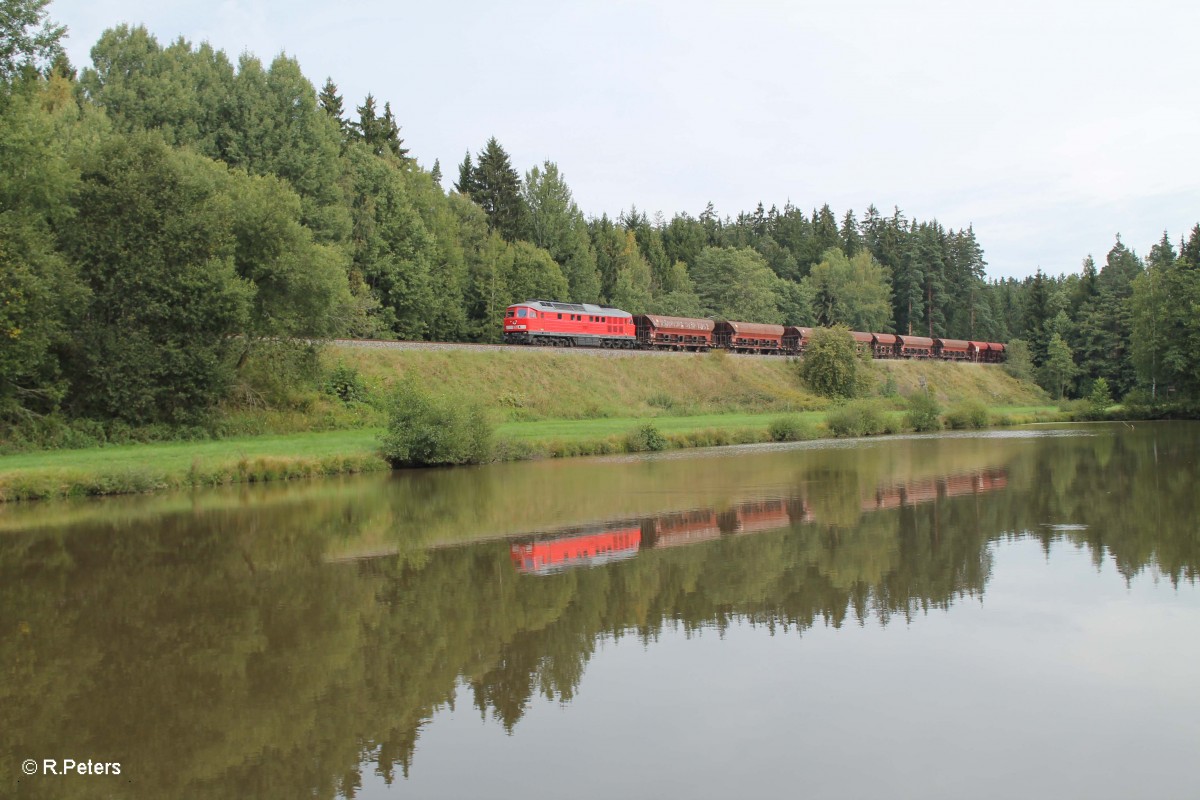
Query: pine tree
x=436, y=173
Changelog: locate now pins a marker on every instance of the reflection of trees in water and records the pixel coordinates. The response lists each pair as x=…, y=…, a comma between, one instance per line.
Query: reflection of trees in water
x=220, y=654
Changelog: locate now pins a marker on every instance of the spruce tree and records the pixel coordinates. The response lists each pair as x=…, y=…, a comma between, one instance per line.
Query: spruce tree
x=436, y=173
x=466, y=176
x=331, y=103
x=389, y=133
x=851, y=240
x=496, y=187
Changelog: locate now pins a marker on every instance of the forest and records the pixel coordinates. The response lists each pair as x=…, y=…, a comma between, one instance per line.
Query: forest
x=178, y=227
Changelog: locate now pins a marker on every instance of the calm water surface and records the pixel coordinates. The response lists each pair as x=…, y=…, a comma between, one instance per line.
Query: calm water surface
x=1009, y=614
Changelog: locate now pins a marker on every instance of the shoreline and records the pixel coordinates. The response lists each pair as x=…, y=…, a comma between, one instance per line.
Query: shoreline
x=156, y=467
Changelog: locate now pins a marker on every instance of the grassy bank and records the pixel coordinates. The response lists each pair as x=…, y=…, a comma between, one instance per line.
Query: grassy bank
x=544, y=404
x=167, y=465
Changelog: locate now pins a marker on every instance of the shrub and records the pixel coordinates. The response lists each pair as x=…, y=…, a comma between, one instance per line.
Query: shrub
x=971, y=414
x=858, y=418
x=924, y=413
x=830, y=366
x=791, y=429
x=346, y=384
x=646, y=437
x=427, y=430
x=661, y=400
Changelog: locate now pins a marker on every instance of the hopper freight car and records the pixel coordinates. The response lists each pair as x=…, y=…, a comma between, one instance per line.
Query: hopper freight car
x=749, y=337
x=673, y=333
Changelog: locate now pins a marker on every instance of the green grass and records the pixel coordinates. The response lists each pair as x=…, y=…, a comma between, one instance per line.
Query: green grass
x=546, y=404
x=130, y=469
x=169, y=456
x=582, y=429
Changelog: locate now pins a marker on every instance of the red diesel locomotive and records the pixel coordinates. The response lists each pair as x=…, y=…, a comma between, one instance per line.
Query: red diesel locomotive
x=548, y=323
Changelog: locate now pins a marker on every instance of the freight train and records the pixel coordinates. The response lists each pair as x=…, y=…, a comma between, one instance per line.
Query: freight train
x=548, y=323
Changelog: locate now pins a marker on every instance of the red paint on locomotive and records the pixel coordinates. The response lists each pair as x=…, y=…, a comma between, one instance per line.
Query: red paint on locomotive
x=567, y=325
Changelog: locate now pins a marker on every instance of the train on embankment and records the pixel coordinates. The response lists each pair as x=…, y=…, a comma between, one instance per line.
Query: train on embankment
x=553, y=324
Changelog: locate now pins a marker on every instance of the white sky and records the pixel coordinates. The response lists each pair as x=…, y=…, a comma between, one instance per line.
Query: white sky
x=1050, y=126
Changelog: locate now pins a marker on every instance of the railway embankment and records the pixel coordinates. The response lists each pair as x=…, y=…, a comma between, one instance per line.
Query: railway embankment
x=544, y=403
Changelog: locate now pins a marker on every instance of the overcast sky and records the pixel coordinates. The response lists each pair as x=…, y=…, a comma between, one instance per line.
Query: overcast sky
x=1049, y=126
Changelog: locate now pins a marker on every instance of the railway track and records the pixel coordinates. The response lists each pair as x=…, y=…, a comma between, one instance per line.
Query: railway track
x=469, y=346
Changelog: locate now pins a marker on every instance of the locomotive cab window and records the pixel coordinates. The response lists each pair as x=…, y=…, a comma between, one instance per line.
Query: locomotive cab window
x=521, y=312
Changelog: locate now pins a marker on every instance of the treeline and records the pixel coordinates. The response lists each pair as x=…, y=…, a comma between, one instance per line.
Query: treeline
x=1131, y=327
x=168, y=213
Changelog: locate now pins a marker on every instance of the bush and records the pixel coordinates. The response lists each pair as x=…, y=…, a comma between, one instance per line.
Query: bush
x=791, y=429
x=971, y=414
x=858, y=418
x=346, y=384
x=645, y=438
x=830, y=365
x=924, y=413
x=427, y=430
x=661, y=400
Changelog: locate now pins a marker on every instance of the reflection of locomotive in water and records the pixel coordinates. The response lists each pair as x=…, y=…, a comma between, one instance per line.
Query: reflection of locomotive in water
x=545, y=554
x=576, y=548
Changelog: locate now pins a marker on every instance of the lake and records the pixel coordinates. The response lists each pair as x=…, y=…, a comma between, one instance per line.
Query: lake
x=998, y=614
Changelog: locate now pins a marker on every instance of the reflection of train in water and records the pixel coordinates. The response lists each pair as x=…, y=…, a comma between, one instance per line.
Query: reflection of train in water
x=576, y=549
x=914, y=492
x=545, y=554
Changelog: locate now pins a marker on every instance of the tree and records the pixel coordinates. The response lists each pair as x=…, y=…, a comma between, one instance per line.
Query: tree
x=331, y=103
x=830, y=366
x=466, y=176
x=1165, y=307
x=29, y=40
x=737, y=285
x=557, y=225
x=531, y=273
x=496, y=187
x=1107, y=330
x=632, y=289
x=1017, y=360
x=851, y=292
x=153, y=240
x=390, y=131
x=1059, y=368
x=391, y=247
